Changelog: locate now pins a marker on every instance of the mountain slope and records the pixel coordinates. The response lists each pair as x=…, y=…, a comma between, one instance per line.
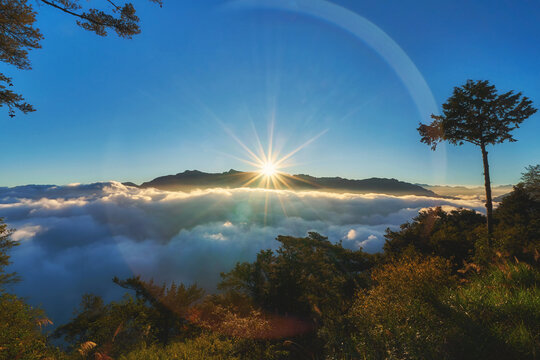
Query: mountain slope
x=194, y=179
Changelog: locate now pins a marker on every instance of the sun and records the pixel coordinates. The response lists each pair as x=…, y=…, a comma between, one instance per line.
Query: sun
x=268, y=169
x=268, y=165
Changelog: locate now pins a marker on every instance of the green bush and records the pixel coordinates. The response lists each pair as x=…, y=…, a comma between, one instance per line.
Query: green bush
x=417, y=310
x=204, y=347
x=211, y=346
x=20, y=330
x=502, y=308
x=400, y=317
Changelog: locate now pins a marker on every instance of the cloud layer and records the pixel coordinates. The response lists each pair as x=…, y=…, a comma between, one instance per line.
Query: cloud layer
x=74, y=239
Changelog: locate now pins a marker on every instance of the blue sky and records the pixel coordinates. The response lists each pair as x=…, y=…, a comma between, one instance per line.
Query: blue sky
x=113, y=109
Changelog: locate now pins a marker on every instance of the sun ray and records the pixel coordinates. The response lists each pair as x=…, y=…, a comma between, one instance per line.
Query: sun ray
x=251, y=163
x=271, y=139
x=279, y=178
x=252, y=179
x=274, y=182
x=270, y=164
x=259, y=144
x=282, y=159
x=302, y=180
x=266, y=201
x=280, y=200
x=244, y=146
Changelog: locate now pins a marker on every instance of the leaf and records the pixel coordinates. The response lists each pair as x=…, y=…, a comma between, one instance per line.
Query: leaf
x=85, y=347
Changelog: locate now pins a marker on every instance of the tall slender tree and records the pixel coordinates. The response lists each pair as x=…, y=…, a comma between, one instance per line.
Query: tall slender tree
x=476, y=113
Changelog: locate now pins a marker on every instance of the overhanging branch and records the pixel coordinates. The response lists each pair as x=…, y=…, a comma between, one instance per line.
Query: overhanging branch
x=67, y=11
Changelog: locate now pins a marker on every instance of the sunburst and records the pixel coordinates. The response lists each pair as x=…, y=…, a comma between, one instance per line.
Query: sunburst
x=269, y=166
x=268, y=169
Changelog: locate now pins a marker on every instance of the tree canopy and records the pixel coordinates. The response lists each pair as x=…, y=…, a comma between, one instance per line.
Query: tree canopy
x=451, y=235
x=17, y=36
x=478, y=114
x=531, y=180
x=120, y=18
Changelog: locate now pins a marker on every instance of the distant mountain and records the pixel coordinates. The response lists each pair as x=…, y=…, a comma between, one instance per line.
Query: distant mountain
x=501, y=197
x=194, y=179
x=476, y=192
x=129, y=183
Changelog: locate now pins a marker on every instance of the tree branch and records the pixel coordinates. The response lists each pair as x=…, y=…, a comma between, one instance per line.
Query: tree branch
x=113, y=4
x=73, y=13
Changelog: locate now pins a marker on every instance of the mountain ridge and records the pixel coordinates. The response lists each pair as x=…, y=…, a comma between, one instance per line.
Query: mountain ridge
x=194, y=179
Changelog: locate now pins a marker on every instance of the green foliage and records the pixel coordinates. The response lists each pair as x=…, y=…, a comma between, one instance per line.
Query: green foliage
x=477, y=114
x=399, y=317
x=531, y=181
x=417, y=310
x=501, y=308
x=211, y=346
x=169, y=305
x=20, y=324
x=451, y=235
x=113, y=327
x=308, y=278
x=204, y=347
x=17, y=36
x=21, y=335
x=5, y=245
x=121, y=19
x=156, y=315
x=517, y=232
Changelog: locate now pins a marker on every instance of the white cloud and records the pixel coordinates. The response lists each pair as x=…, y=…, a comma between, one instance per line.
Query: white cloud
x=218, y=236
x=371, y=244
x=26, y=232
x=77, y=237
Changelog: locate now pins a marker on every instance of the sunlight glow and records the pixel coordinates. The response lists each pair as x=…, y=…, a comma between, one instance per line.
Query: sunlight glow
x=270, y=165
x=268, y=169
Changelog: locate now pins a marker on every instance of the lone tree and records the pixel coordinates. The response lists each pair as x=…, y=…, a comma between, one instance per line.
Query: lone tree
x=18, y=35
x=477, y=114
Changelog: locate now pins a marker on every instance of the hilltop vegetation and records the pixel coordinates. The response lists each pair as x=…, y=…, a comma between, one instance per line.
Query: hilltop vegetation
x=190, y=180
x=437, y=291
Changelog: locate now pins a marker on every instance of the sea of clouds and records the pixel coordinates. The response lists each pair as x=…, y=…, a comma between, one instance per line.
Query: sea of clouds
x=74, y=239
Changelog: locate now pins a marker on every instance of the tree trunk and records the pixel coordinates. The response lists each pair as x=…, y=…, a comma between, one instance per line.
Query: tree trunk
x=489, y=203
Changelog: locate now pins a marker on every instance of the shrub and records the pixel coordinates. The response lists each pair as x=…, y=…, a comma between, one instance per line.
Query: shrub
x=210, y=346
x=20, y=330
x=399, y=317
x=501, y=310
